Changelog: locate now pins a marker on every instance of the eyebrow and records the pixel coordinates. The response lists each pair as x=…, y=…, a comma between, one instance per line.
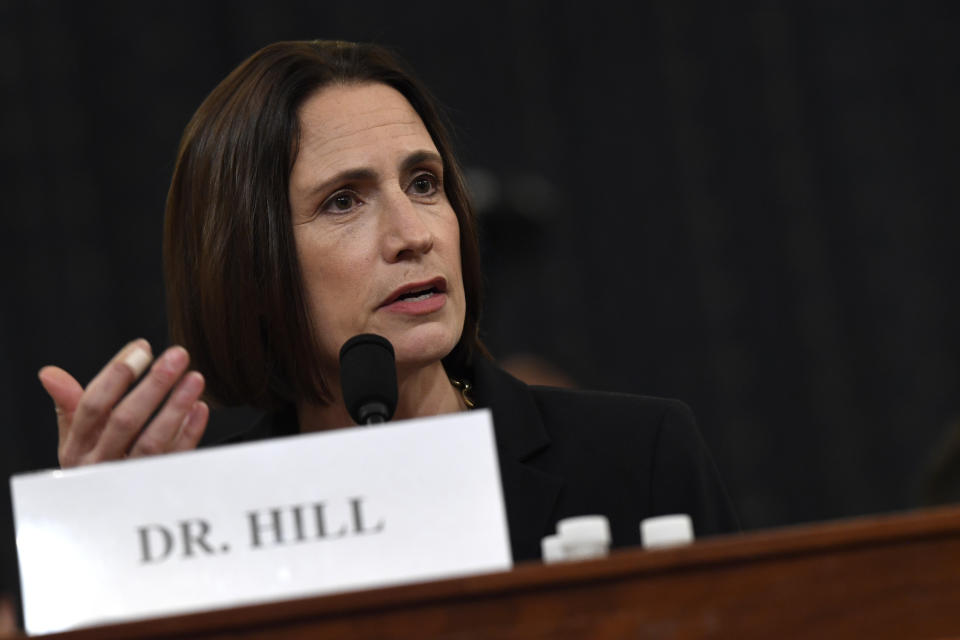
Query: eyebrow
x=365, y=174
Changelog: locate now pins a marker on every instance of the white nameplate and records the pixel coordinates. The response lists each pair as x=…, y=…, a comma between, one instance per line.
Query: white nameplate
x=342, y=510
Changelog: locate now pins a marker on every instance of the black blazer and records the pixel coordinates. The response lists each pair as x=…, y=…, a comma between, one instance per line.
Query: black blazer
x=566, y=453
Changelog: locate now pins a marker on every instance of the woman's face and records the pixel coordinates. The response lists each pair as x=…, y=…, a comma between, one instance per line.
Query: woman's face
x=377, y=240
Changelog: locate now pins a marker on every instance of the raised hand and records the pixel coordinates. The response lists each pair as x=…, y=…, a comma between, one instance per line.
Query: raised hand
x=101, y=423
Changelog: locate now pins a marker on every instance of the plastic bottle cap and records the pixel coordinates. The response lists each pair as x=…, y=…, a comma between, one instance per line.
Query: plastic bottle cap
x=589, y=530
x=666, y=531
x=551, y=549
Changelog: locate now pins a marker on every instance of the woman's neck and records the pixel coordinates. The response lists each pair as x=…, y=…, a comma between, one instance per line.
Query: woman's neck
x=422, y=391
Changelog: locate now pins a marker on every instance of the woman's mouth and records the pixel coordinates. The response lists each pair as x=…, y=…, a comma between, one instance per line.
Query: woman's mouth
x=418, y=295
x=418, y=298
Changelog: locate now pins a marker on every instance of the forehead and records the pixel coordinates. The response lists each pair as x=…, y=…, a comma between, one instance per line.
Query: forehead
x=345, y=123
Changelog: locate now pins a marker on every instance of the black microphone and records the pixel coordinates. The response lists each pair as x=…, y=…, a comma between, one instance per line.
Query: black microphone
x=368, y=378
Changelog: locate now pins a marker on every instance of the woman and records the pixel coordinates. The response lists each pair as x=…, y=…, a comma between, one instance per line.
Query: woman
x=316, y=197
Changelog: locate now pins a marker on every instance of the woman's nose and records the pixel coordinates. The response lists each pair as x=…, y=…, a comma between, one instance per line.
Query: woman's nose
x=406, y=230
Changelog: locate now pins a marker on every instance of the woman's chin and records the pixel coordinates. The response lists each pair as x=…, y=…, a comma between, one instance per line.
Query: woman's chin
x=419, y=349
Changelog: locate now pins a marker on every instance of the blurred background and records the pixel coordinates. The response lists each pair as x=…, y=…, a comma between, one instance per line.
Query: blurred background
x=751, y=206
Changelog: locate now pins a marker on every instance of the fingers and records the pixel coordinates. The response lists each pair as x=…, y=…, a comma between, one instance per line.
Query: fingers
x=165, y=428
x=125, y=422
x=193, y=427
x=98, y=400
x=102, y=423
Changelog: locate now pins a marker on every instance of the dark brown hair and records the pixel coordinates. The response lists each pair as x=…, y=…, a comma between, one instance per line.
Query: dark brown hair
x=235, y=296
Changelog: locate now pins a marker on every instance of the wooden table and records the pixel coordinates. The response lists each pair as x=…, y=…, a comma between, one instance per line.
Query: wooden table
x=887, y=576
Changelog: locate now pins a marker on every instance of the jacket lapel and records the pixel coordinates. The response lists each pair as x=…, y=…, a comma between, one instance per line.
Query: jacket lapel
x=529, y=493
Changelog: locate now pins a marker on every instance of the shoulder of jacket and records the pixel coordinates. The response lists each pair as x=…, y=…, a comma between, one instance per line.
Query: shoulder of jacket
x=608, y=401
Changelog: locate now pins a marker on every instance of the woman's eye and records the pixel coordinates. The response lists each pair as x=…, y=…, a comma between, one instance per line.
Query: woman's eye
x=424, y=185
x=340, y=202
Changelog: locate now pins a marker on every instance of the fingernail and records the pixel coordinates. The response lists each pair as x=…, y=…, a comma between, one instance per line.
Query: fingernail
x=191, y=416
x=137, y=360
x=193, y=384
x=176, y=357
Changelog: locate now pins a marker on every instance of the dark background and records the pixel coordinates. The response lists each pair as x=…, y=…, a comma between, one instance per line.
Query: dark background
x=751, y=206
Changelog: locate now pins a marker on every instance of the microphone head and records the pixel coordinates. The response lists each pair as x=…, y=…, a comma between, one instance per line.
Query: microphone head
x=368, y=378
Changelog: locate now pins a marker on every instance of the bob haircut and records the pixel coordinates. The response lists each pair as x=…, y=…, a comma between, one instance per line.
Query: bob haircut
x=235, y=295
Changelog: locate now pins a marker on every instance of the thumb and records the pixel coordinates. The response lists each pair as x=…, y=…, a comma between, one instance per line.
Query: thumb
x=65, y=392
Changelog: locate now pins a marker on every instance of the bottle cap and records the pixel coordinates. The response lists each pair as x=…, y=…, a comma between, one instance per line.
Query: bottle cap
x=592, y=530
x=666, y=531
x=551, y=549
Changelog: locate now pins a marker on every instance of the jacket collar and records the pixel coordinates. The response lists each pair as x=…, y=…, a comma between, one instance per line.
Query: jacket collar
x=529, y=493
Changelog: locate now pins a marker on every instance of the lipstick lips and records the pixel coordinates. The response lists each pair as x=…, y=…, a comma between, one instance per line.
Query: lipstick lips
x=418, y=297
